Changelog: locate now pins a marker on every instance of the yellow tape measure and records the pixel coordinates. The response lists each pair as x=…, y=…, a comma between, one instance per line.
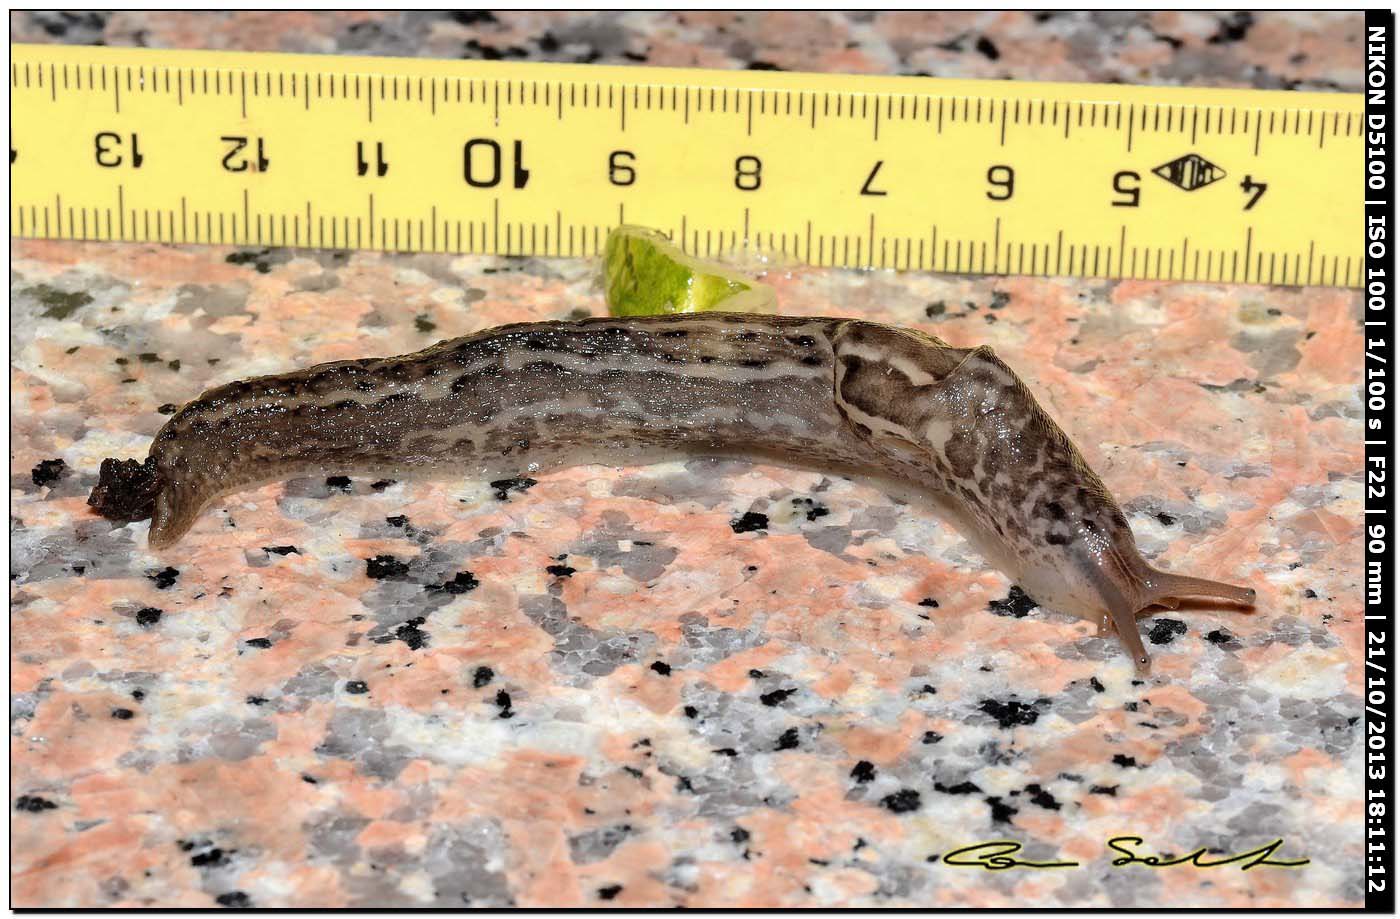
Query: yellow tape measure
x=961, y=176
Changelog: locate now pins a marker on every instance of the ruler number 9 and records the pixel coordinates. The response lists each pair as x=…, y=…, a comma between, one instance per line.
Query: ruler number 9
x=1003, y=182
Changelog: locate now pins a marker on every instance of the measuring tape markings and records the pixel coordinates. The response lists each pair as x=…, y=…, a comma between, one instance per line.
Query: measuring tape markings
x=508, y=165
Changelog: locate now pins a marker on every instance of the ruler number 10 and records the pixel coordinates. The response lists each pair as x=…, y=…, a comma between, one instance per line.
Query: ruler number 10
x=481, y=163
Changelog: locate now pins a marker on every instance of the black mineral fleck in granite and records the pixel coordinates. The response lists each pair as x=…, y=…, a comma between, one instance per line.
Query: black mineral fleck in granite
x=385, y=567
x=168, y=408
x=775, y=697
x=929, y=602
x=461, y=582
x=259, y=642
x=1001, y=811
x=1042, y=797
x=1110, y=790
x=408, y=633
x=902, y=801
x=33, y=804
x=399, y=521
x=148, y=616
x=338, y=481
x=1095, y=684
x=255, y=700
x=123, y=714
x=749, y=523
x=48, y=472
x=381, y=484
x=1219, y=636
x=725, y=751
x=1126, y=762
x=612, y=890
x=787, y=740
x=519, y=485
x=662, y=668
x=560, y=571
x=756, y=674
x=481, y=676
x=138, y=694
x=214, y=858
x=932, y=737
x=1164, y=631
x=281, y=550
x=962, y=788
x=1012, y=712
x=864, y=771
x=1166, y=519
x=691, y=711
x=235, y=899
x=163, y=578
x=739, y=834
x=357, y=687
x=1016, y=604
x=503, y=703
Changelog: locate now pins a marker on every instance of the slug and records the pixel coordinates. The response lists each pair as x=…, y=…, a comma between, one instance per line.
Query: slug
x=921, y=417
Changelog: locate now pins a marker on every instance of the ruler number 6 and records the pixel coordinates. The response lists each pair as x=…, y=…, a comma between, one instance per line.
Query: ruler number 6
x=1003, y=182
x=107, y=148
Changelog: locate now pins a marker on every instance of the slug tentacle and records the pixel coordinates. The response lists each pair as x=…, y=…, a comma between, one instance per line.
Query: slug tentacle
x=955, y=424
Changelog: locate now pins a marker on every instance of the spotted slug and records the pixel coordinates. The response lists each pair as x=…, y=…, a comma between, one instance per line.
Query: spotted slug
x=954, y=425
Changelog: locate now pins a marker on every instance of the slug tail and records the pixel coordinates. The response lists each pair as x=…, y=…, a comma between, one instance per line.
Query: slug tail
x=1163, y=586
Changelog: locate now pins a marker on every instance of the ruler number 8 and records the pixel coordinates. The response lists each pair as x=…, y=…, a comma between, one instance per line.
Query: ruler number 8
x=1003, y=182
x=748, y=173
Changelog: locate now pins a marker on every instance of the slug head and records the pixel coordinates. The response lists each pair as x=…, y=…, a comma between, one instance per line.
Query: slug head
x=1126, y=585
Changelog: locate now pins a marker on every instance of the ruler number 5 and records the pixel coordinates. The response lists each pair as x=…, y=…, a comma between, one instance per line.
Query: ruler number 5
x=108, y=149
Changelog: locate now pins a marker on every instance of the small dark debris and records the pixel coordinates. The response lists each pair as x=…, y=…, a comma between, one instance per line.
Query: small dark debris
x=357, y=687
x=148, y=616
x=163, y=578
x=902, y=801
x=1016, y=604
x=48, y=472
x=126, y=490
x=519, y=485
x=864, y=771
x=1165, y=631
x=749, y=523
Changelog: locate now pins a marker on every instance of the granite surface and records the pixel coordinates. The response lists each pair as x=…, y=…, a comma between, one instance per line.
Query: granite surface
x=705, y=683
